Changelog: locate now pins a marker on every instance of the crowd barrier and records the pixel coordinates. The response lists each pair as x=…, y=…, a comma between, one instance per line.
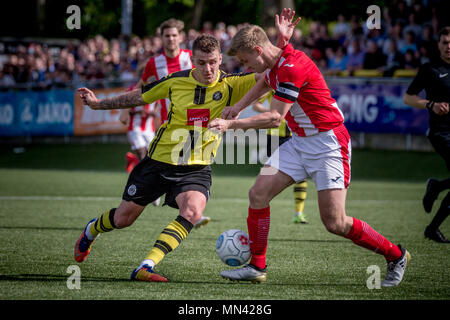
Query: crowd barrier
x=370, y=105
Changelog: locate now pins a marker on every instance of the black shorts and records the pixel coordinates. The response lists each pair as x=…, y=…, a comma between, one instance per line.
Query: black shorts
x=150, y=179
x=441, y=143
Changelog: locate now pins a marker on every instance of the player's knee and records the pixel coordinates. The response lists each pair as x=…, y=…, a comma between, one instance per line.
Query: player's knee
x=254, y=196
x=257, y=196
x=192, y=214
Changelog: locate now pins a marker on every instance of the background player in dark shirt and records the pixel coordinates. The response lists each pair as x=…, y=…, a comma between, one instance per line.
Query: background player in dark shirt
x=434, y=77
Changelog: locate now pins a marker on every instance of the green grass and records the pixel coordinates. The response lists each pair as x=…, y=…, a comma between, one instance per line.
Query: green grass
x=49, y=192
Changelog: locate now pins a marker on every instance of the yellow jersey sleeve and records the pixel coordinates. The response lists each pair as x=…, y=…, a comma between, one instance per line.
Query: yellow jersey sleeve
x=267, y=96
x=240, y=84
x=157, y=90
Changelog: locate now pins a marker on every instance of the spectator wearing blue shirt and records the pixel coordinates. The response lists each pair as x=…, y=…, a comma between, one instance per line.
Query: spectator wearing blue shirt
x=409, y=43
x=337, y=61
x=356, y=57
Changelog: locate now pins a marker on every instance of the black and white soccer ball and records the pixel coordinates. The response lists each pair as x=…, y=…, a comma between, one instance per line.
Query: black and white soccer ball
x=233, y=247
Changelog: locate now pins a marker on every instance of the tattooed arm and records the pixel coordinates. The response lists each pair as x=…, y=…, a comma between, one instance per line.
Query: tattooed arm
x=127, y=100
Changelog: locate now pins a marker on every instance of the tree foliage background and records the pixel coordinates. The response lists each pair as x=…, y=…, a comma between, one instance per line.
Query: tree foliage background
x=47, y=18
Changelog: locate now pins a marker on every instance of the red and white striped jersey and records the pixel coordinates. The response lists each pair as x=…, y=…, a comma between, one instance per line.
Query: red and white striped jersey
x=139, y=120
x=161, y=66
x=296, y=79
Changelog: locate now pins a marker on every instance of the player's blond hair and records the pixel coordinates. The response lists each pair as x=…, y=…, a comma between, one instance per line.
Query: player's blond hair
x=247, y=38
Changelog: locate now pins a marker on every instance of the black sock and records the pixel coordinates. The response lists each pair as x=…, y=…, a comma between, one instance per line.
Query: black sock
x=442, y=213
x=443, y=185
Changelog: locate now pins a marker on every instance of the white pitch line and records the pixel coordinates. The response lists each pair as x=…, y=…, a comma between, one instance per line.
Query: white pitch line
x=240, y=200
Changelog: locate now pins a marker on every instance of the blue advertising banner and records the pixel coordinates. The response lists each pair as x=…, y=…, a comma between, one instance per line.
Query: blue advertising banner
x=29, y=113
x=377, y=107
x=371, y=106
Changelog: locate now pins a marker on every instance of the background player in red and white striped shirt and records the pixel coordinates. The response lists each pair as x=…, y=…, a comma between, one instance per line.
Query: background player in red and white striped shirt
x=320, y=148
x=142, y=122
x=172, y=59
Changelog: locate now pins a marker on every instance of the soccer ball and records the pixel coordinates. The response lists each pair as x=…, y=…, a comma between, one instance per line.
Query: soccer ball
x=233, y=247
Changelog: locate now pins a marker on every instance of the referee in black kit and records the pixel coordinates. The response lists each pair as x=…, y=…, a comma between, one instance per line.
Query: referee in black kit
x=434, y=77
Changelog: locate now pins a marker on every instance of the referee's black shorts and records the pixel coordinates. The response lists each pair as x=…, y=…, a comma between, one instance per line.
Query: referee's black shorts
x=441, y=143
x=150, y=179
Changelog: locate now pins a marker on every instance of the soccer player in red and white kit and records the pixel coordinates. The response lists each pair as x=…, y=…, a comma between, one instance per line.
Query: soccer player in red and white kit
x=172, y=59
x=141, y=122
x=320, y=148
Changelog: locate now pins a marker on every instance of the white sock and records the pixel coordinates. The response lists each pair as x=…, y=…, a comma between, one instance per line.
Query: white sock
x=147, y=262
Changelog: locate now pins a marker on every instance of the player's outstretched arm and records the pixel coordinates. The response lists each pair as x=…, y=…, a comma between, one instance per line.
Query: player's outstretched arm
x=126, y=100
x=285, y=27
x=270, y=119
x=255, y=93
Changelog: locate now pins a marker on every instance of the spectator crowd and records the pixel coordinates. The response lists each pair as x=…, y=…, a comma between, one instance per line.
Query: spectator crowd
x=406, y=39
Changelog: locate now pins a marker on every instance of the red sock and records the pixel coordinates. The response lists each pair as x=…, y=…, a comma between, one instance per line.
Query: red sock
x=258, y=224
x=132, y=161
x=363, y=235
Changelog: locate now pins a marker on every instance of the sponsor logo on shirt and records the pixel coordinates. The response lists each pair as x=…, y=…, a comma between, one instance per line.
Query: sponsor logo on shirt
x=198, y=117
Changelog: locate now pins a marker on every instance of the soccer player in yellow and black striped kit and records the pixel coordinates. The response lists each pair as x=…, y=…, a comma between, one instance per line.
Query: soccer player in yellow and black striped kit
x=179, y=157
x=284, y=134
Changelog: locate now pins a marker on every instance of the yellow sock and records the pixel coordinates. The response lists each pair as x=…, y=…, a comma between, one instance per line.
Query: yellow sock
x=169, y=239
x=104, y=223
x=300, y=195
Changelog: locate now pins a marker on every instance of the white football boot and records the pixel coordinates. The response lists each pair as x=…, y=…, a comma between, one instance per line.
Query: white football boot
x=156, y=202
x=396, y=269
x=203, y=222
x=246, y=273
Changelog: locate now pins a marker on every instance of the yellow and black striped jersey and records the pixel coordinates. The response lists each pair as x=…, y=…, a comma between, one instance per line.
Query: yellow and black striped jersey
x=282, y=130
x=184, y=138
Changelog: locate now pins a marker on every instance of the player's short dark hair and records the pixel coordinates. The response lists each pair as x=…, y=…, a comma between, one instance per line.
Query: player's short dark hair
x=172, y=23
x=206, y=43
x=445, y=31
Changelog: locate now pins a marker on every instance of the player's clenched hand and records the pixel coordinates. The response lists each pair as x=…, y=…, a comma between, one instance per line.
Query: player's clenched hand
x=220, y=125
x=88, y=98
x=441, y=108
x=230, y=113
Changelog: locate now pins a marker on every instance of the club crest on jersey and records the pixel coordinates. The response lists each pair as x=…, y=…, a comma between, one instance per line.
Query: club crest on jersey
x=198, y=117
x=132, y=190
x=217, y=96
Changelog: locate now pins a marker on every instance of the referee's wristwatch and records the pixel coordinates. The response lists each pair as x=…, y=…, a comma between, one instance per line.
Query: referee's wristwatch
x=430, y=105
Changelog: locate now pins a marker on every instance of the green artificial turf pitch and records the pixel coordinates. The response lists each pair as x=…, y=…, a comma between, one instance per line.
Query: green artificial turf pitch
x=49, y=192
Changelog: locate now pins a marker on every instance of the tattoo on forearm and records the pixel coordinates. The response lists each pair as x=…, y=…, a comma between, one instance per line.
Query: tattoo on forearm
x=123, y=101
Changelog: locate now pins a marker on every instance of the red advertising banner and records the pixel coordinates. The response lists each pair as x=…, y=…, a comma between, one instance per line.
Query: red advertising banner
x=89, y=122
